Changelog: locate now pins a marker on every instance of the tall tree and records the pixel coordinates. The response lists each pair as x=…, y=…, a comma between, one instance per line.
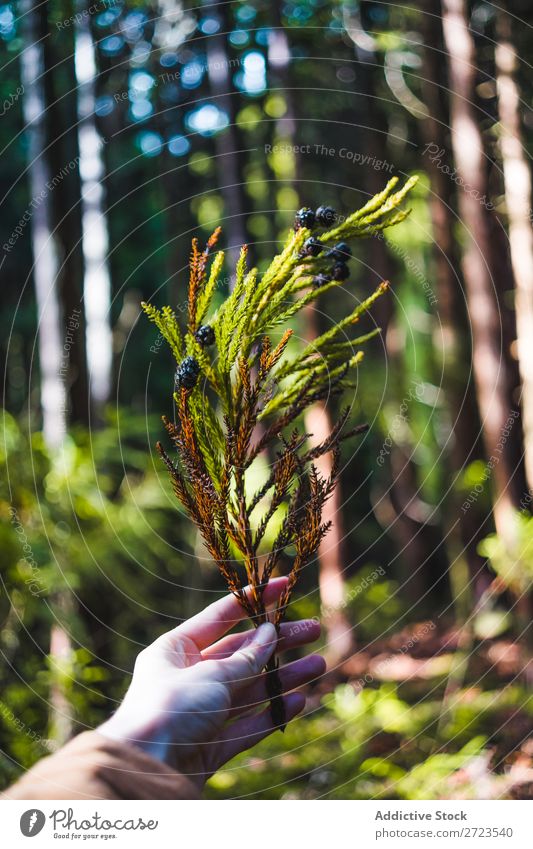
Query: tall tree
x=44, y=244
x=493, y=372
x=332, y=558
x=172, y=27
x=399, y=507
x=454, y=337
x=95, y=240
x=517, y=180
x=45, y=274
x=64, y=194
x=229, y=155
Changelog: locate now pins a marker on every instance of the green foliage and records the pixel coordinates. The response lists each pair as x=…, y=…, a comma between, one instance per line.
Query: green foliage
x=109, y=532
x=93, y=523
x=514, y=565
x=216, y=459
x=250, y=381
x=259, y=303
x=381, y=742
x=285, y=385
x=376, y=605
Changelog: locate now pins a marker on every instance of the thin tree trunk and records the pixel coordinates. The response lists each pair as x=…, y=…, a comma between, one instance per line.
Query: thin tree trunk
x=279, y=60
x=173, y=25
x=229, y=159
x=318, y=420
x=332, y=558
x=44, y=246
x=453, y=340
x=63, y=156
x=95, y=241
x=45, y=272
x=399, y=509
x=517, y=180
x=492, y=370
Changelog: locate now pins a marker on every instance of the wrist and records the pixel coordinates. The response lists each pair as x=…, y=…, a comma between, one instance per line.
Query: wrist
x=150, y=735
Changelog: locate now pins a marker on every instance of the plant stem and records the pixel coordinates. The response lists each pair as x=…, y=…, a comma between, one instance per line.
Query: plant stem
x=273, y=687
x=272, y=679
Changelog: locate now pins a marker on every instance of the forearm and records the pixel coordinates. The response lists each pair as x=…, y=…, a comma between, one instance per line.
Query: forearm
x=93, y=766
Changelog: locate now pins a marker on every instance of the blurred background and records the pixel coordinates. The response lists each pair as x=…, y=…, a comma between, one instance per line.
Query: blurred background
x=127, y=128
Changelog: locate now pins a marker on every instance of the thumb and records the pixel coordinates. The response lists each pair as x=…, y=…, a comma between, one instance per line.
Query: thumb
x=249, y=660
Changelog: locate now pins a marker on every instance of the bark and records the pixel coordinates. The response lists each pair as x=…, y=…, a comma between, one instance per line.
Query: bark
x=493, y=371
x=173, y=25
x=229, y=155
x=517, y=181
x=453, y=341
x=45, y=275
x=332, y=557
x=44, y=243
x=400, y=508
x=64, y=197
x=95, y=241
x=279, y=60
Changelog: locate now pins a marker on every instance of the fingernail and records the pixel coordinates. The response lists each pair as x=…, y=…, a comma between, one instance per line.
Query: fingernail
x=260, y=646
x=265, y=635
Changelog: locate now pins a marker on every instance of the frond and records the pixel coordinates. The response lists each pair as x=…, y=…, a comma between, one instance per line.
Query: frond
x=239, y=397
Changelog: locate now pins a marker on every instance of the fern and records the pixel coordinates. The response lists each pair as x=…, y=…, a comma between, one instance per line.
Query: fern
x=249, y=397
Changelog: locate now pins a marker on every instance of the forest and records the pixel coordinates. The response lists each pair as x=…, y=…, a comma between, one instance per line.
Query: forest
x=131, y=128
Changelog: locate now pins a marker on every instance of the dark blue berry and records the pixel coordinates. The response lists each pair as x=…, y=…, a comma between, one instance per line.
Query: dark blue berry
x=187, y=373
x=325, y=215
x=340, y=271
x=340, y=252
x=312, y=247
x=205, y=335
x=321, y=280
x=305, y=217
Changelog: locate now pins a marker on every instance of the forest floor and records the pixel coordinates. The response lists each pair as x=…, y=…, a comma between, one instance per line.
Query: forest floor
x=428, y=712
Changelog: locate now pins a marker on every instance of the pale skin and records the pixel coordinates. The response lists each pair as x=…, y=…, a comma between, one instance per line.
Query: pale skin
x=197, y=696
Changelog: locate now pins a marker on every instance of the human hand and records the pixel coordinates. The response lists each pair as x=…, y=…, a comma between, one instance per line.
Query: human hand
x=194, y=697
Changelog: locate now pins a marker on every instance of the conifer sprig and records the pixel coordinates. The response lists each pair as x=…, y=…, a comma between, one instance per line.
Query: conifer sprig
x=247, y=396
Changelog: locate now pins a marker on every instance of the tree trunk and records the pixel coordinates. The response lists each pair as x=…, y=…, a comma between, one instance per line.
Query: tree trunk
x=453, y=339
x=173, y=25
x=95, y=241
x=229, y=157
x=491, y=365
x=332, y=560
x=63, y=156
x=517, y=180
x=44, y=245
x=45, y=274
x=399, y=508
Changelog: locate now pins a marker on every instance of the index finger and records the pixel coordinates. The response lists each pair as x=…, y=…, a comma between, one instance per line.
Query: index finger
x=216, y=619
